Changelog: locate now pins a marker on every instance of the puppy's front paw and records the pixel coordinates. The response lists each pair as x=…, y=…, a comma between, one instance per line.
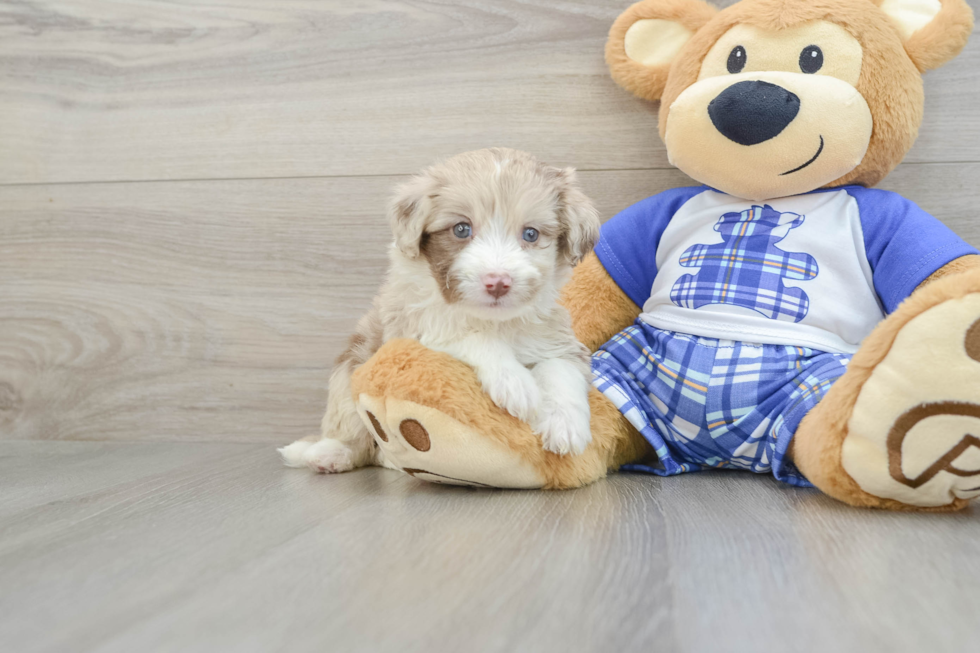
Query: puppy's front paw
x=329, y=457
x=564, y=429
x=514, y=389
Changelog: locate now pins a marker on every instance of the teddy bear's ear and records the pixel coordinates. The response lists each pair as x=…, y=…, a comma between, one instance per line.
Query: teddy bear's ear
x=933, y=31
x=645, y=39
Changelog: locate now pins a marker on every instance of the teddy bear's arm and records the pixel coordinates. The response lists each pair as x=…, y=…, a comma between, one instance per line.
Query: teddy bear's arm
x=599, y=308
x=961, y=264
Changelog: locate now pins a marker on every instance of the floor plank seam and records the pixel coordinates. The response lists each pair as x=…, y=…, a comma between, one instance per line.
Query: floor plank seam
x=98, y=182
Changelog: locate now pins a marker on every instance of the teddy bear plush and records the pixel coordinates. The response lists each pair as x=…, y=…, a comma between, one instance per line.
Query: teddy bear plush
x=783, y=318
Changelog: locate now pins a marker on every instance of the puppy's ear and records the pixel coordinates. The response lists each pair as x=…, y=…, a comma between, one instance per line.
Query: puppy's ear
x=578, y=217
x=409, y=210
x=933, y=31
x=645, y=39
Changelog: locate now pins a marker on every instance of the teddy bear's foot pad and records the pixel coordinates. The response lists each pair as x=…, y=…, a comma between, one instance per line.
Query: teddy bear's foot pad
x=429, y=445
x=914, y=435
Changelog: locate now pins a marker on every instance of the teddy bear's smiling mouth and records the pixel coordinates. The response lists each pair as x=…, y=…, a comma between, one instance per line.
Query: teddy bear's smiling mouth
x=814, y=158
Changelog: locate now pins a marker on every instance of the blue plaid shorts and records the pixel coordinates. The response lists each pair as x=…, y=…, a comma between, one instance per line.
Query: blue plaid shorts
x=703, y=403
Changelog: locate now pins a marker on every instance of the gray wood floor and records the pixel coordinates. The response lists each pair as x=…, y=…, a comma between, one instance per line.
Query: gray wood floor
x=191, y=221
x=213, y=547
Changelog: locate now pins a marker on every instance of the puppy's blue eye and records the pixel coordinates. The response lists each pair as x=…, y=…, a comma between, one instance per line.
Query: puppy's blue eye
x=530, y=235
x=462, y=230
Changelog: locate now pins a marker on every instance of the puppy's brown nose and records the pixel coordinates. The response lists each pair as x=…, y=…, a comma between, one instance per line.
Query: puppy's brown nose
x=497, y=285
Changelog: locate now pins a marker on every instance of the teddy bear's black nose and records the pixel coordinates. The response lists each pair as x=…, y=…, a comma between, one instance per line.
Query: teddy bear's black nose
x=753, y=112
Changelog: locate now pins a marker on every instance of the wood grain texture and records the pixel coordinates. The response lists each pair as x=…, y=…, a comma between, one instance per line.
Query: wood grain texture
x=215, y=547
x=213, y=310
x=95, y=90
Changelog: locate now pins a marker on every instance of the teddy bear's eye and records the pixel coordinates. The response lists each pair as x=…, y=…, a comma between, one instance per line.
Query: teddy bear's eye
x=736, y=60
x=811, y=59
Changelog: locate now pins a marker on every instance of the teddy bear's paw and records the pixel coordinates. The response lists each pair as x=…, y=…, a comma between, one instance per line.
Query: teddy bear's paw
x=514, y=389
x=432, y=446
x=564, y=429
x=914, y=434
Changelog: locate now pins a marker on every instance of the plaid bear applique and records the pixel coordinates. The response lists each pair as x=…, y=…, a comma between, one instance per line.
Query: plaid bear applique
x=748, y=269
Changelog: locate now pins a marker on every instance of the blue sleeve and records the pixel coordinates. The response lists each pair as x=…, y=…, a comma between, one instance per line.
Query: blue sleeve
x=904, y=243
x=628, y=242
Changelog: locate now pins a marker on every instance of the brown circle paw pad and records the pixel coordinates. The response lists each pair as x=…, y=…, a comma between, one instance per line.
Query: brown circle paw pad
x=415, y=434
x=973, y=341
x=376, y=425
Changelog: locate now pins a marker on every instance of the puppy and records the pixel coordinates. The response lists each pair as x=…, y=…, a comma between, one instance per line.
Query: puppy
x=482, y=244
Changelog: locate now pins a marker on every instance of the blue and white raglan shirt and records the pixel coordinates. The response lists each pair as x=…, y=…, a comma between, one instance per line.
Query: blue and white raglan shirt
x=818, y=270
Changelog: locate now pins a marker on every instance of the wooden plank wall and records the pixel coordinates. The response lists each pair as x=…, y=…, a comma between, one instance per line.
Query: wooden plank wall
x=192, y=193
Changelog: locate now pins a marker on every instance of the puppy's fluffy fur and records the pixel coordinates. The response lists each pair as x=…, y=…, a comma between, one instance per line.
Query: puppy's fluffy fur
x=483, y=243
